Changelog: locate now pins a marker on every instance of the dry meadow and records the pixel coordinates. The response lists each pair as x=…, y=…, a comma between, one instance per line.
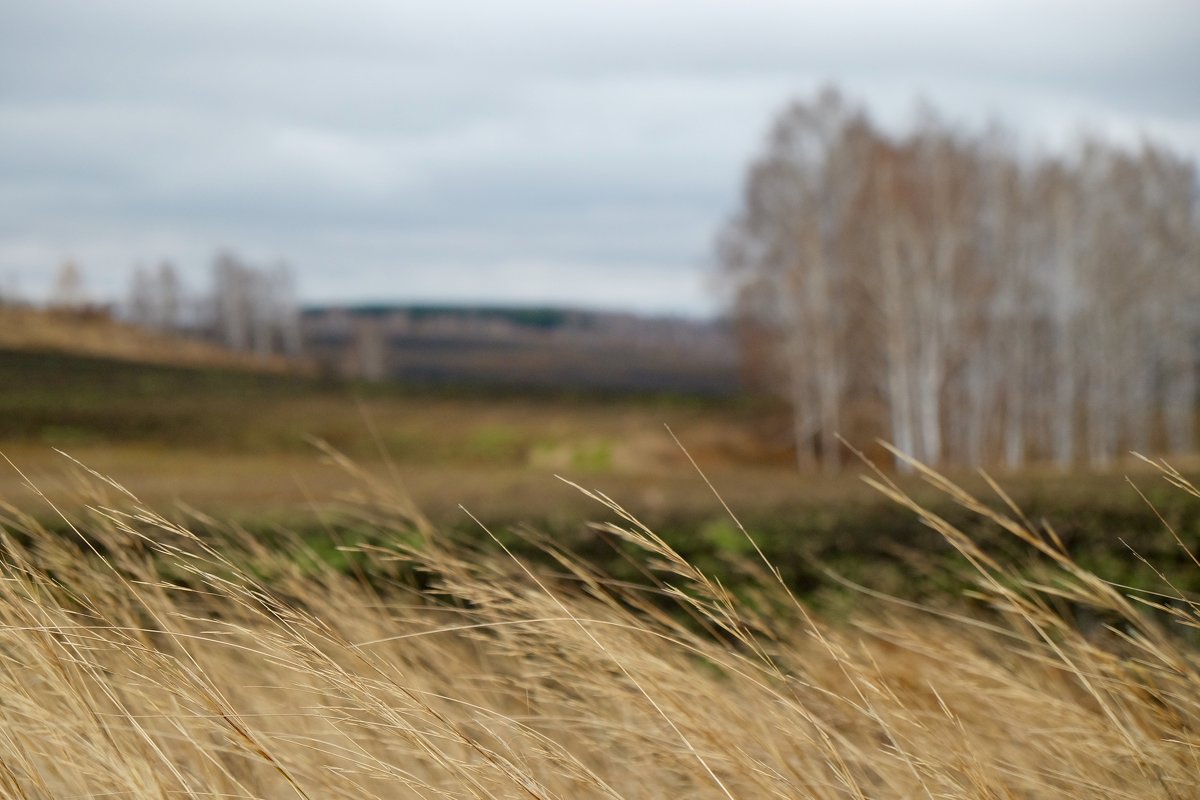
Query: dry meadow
x=140, y=659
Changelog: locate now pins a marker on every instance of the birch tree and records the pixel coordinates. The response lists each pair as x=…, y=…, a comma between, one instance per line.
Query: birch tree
x=987, y=305
x=255, y=309
x=786, y=253
x=68, y=292
x=156, y=298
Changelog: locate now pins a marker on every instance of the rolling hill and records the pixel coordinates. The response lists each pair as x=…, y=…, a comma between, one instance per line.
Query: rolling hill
x=95, y=333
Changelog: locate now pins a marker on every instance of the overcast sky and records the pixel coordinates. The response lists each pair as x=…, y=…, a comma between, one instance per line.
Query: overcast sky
x=510, y=152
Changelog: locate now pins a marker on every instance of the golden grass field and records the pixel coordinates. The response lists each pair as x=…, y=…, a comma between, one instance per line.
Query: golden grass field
x=140, y=660
x=259, y=616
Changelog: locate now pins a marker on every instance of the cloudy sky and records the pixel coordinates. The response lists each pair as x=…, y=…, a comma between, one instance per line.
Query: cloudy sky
x=572, y=152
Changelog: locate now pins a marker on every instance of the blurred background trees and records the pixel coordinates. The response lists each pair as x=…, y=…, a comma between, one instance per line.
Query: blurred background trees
x=255, y=309
x=964, y=299
x=156, y=298
x=68, y=293
x=248, y=309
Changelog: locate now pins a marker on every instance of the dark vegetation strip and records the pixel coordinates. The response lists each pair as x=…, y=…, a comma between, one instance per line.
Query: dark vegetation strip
x=880, y=546
x=66, y=399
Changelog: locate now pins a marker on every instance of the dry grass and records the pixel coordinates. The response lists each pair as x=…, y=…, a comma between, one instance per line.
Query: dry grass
x=499, y=680
x=96, y=334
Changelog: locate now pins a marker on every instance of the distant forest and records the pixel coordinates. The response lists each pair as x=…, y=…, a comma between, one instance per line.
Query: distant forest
x=545, y=317
x=252, y=309
x=542, y=348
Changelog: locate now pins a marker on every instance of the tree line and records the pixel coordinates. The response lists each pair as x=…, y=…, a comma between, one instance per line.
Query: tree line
x=247, y=308
x=967, y=300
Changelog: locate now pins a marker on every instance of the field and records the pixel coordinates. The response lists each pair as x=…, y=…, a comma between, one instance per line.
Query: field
x=247, y=446
x=94, y=332
x=289, y=587
x=142, y=660
x=243, y=445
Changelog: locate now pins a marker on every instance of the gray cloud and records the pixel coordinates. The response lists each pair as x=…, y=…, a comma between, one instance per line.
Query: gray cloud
x=577, y=152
